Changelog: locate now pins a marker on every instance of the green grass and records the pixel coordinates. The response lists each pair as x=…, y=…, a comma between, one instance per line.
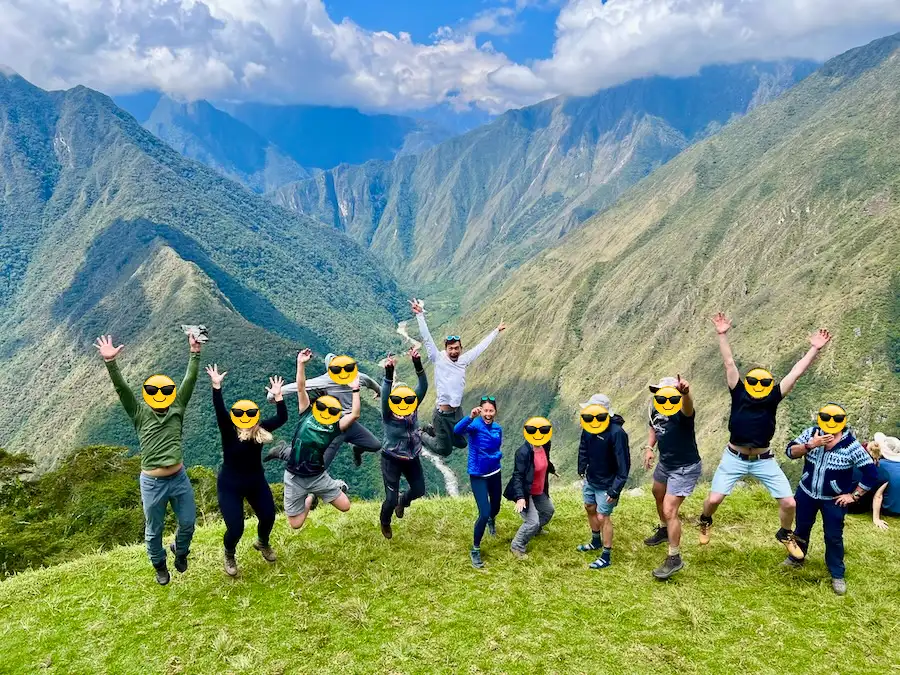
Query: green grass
x=342, y=599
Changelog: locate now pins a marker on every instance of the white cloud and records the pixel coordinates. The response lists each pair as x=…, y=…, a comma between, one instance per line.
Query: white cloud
x=292, y=51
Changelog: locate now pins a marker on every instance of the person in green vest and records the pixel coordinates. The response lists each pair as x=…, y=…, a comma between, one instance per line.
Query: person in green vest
x=163, y=481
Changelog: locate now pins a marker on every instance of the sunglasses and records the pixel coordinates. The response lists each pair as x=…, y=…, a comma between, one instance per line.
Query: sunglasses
x=488, y=399
x=452, y=338
x=250, y=413
x=533, y=430
x=674, y=400
x=825, y=417
x=165, y=389
x=600, y=417
x=766, y=381
x=349, y=368
x=321, y=407
x=397, y=400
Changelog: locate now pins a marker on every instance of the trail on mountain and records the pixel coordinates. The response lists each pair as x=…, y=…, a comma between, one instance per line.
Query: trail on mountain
x=401, y=329
x=450, y=480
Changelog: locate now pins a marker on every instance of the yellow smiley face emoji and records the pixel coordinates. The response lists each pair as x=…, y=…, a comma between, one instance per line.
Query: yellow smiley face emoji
x=667, y=400
x=327, y=410
x=342, y=369
x=403, y=401
x=245, y=414
x=832, y=419
x=159, y=391
x=759, y=383
x=594, y=419
x=538, y=431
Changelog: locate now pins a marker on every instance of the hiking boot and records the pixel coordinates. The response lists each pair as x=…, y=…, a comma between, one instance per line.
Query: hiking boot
x=659, y=536
x=278, y=451
x=492, y=527
x=231, y=568
x=475, y=555
x=670, y=566
x=521, y=555
x=787, y=538
x=792, y=563
x=387, y=531
x=839, y=586
x=705, y=528
x=357, y=455
x=399, y=510
x=162, y=573
x=267, y=553
x=429, y=430
x=344, y=487
x=181, y=562
x=314, y=503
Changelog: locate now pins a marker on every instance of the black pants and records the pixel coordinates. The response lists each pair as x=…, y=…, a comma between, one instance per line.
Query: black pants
x=356, y=435
x=391, y=470
x=487, y=491
x=233, y=489
x=444, y=439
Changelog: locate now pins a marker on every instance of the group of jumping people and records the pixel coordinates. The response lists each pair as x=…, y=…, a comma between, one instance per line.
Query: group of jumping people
x=329, y=410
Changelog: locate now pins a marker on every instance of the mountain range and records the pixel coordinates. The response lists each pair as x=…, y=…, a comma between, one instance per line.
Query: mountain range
x=465, y=213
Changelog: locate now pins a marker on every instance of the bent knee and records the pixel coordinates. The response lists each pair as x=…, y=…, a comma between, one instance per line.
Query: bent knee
x=715, y=498
x=788, y=502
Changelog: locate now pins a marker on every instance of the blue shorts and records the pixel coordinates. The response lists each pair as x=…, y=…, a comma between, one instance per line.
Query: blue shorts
x=766, y=471
x=594, y=495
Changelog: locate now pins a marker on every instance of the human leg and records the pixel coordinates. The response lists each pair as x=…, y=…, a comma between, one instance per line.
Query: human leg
x=332, y=449
x=259, y=496
x=181, y=496
x=530, y=526
x=231, y=506
x=495, y=495
x=154, y=500
x=361, y=440
x=588, y=496
x=296, y=505
x=833, y=524
x=482, y=501
x=415, y=479
x=390, y=473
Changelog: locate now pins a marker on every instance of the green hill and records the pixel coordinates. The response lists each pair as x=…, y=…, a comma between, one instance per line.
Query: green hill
x=343, y=599
x=106, y=229
x=466, y=212
x=788, y=219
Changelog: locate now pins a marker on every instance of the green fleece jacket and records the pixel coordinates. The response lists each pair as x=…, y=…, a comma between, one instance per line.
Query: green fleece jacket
x=159, y=434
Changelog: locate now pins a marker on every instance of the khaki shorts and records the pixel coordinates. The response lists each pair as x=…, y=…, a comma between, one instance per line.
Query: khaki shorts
x=297, y=488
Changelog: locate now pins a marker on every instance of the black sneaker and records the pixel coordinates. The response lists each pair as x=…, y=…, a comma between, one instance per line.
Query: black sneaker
x=387, y=531
x=314, y=503
x=671, y=565
x=399, y=510
x=660, y=536
x=181, y=563
x=429, y=429
x=357, y=455
x=162, y=573
x=492, y=527
x=475, y=556
x=280, y=450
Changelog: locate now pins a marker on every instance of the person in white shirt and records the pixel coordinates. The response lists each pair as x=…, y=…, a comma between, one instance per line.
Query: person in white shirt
x=450, y=380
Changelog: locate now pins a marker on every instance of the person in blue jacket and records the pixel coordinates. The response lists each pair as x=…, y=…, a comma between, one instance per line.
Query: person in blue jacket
x=485, y=437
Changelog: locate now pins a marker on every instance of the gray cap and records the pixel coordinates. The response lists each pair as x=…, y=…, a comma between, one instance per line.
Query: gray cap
x=328, y=358
x=599, y=399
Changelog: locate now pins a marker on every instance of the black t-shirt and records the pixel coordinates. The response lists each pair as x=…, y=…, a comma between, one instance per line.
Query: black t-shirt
x=752, y=421
x=675, y=439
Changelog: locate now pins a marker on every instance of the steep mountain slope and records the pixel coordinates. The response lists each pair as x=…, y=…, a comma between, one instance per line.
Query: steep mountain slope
x=323, y=137
x=200, y=131
x=467, y=211
x=104, y=228
x=789, y=219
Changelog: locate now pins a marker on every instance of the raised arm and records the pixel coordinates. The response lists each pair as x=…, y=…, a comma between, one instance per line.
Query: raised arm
x=303, y=358
x=285, y=389
x=430, y=347
x=186, y=390
x=355, y=408
x=281, y=414
x=687, y=402
x=369, y=383
x=422, y=383
x=817, y=341
x=109, y=353
x=222, y=417
x=386, y=385
x=723, y=325
x=462, y=427
x=471, y=354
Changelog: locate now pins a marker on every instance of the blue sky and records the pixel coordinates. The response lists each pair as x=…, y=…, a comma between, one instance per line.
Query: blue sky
x=411, y=55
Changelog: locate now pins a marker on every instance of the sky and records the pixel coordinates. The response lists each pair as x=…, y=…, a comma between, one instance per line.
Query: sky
x=408, y=55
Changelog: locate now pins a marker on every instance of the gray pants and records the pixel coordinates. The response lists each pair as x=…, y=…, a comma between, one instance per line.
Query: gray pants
x=444, y=439
x=357, y=435
x=537, y=513
x=156, y=495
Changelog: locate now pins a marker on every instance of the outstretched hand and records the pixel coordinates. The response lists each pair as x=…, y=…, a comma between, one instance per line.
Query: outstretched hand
x=414, y=353
x=304, y=355
x=274, y=388
x=215, y=375
x=390, y=361
x=722, y=323
x=682, y=385
x=104, y=345
x=476, y=411
x=195, y=346
x=820, y=338
x=501, y=327
x=416, y=306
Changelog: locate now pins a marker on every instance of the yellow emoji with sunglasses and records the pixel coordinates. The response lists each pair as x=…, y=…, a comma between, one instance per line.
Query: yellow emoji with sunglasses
x=342, y=369
x=759, y=383
x=832, y=419
x=327, y=410
x=245, y=414
x=159, y=391
x=403, y=401
x=538, y=431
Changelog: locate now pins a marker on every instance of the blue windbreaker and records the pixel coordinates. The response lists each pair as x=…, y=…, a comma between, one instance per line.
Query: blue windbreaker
x=484, y=444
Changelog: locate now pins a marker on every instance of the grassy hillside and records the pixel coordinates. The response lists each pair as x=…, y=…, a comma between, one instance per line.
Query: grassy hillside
x=468, y=211
x=105, y=229
x=789, y=219
x=343, y=599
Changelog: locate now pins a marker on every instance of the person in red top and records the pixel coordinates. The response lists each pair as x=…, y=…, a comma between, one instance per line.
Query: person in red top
x=529, y=488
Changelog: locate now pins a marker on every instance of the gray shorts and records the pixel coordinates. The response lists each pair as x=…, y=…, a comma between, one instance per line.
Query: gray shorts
x=681, y=481
x=297, y=488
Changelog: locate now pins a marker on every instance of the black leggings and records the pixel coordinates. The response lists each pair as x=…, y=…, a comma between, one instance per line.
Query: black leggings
x=487, y=491
x=233, y=489
x=391, y=470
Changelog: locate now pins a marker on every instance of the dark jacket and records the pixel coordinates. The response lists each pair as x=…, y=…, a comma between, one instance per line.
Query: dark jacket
x=402, y=436
x=604, y=459
x=519, y=486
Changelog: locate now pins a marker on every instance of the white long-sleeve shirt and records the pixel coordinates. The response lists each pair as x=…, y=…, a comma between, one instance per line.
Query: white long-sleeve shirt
x=450, y=376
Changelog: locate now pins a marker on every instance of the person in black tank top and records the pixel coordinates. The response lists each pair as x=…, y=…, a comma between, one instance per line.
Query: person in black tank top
x=751, y=427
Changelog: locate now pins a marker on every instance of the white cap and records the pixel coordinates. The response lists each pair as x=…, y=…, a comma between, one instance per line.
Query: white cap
x=665, y=382
x=599, y=399
x=328, y=358
x=890, y=447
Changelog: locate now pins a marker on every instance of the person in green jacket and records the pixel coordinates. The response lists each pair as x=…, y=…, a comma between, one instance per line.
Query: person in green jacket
x=158, y=423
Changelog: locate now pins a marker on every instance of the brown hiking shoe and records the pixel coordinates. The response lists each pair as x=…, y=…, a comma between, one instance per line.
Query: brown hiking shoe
x=704, y=532
x=231, y=568
x=267, y=553
x=787, y=538
x=387, y=531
